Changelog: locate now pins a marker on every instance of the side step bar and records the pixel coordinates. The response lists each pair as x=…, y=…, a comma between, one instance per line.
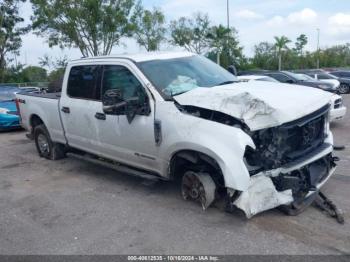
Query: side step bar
x=118, y=167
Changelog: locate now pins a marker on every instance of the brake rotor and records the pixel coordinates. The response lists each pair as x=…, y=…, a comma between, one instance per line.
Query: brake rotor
x=198, y=187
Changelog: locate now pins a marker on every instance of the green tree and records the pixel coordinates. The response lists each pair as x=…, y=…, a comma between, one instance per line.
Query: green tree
x=264, y=56
x=34, y=74
x=148, y=27
x=225, y=49
x=191, y=33
x=46, y=61
x=93, y=26
x=281, y=45
x=10, y=32
x=218, y=38
x=300, y=44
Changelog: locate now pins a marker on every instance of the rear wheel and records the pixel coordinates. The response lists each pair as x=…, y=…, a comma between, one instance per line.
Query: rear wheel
x=44, y=145
x=198, y=187
x=343, y=89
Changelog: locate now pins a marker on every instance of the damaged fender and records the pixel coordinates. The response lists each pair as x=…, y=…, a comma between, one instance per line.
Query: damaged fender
x=225, y=144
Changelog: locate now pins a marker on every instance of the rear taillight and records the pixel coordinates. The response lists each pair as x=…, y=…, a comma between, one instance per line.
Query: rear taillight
x=18, y=110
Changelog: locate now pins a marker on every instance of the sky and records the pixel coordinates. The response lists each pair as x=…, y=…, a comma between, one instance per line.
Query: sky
x=255, y=20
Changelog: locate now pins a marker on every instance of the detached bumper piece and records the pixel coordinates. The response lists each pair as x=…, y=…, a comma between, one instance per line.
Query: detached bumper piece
x=327, y=205
x=292, y=192
x=305, y=185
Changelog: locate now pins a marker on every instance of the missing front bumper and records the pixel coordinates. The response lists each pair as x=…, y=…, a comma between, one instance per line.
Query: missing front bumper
x=293, y=188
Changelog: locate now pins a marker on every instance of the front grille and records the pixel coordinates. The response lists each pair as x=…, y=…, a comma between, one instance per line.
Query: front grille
x=302, y=139
x=280, y=145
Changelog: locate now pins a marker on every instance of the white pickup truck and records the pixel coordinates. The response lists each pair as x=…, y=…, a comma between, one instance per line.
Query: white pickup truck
x=255, y=145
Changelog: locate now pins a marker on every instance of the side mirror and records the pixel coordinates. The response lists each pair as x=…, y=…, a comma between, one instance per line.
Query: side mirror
x=112, y=100
x=232, y=69
x=114, y=104
x=290, y=81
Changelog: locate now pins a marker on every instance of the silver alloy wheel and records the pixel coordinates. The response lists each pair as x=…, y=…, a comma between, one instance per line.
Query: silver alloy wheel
x=343, y=89
x=43, y=144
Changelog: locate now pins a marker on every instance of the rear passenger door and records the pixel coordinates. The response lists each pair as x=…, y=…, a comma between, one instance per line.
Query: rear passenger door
x=79, y=105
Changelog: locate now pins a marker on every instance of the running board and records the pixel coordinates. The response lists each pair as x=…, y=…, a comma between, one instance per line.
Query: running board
x=118, y=167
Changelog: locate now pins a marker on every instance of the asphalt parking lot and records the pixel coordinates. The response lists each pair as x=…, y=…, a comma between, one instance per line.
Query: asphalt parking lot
x=74, y=207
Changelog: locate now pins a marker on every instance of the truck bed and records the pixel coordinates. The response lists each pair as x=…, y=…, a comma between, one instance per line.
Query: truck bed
x=56, y=95
x=43, y=106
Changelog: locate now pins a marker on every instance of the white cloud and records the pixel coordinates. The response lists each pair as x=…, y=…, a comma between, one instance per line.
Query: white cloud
x=339, y=25
x=248, y=14
x=276, y=21
x=340, y=19
x=305, y=16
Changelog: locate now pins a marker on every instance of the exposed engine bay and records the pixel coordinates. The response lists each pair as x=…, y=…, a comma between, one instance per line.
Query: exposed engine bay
x=280, y=145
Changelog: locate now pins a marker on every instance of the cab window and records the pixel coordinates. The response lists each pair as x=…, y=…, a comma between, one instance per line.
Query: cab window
x=122, y=79
x=84, y=82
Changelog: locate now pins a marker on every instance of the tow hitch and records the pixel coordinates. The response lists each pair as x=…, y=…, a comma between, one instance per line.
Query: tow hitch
x=325, y=204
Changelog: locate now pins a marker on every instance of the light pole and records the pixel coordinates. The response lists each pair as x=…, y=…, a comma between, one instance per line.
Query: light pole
x=228, y=15
x=318, y=48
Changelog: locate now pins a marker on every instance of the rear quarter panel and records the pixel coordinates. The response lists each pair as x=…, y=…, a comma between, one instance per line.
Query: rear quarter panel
x=46, y=109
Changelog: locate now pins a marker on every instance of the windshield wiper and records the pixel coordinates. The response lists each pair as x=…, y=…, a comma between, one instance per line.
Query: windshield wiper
x=227, y=82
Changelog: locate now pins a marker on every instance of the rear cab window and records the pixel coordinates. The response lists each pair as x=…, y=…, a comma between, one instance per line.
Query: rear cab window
x=84, y=82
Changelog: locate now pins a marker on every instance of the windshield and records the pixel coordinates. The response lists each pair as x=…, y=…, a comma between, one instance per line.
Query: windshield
x=267, y=79
x=326, y=76
x=295, y=76
x=176, y=76
x=305, y=77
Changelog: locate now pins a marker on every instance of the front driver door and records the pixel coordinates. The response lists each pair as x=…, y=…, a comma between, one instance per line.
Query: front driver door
x=130, y=142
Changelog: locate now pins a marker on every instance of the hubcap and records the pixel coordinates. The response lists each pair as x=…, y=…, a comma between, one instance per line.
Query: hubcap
x=43, y=144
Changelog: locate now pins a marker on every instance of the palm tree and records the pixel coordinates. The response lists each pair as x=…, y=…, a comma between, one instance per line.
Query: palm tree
x=218, y=36
x=281, y=45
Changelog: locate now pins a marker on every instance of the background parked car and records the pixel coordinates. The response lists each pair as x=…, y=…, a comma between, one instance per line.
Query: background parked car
x=246, y=78
x=344, y=83
x=9, y=116
x=344, y=79
x=291, y=78
x=338, y=110
x=341, y=73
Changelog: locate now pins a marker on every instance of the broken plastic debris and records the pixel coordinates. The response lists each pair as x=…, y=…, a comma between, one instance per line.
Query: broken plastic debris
x=262, y=195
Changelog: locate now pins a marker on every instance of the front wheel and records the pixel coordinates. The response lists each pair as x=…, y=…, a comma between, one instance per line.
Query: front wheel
x=198, y=187
x=343, y=89
x=44, y=145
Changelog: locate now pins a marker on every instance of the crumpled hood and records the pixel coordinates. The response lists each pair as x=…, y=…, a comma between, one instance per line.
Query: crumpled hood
x=258, y=104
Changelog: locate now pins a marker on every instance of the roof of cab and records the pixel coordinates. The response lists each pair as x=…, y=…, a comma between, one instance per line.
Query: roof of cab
x=137, y=57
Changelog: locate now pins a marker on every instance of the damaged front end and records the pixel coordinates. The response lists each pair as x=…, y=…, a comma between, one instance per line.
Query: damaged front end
x=290, y=164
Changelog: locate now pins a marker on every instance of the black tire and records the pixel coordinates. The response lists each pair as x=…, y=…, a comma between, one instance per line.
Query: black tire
x=44, y=145
x=343, y=88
